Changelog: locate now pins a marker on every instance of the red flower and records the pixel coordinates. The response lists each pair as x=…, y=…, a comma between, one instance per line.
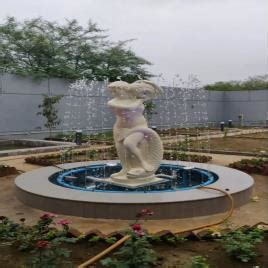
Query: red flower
x=42, y=244
x=47, y=216
x=63, y=222
x=136, y=227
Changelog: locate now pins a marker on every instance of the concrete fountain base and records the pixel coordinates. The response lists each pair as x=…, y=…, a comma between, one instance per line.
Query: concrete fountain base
x=35, y=190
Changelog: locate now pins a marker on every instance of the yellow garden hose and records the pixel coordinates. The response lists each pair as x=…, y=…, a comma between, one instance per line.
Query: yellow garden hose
x=228, y=215
x=123, y=239
x=104, y=252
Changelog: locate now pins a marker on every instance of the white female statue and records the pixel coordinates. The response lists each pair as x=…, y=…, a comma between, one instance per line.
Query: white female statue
x=139, y=148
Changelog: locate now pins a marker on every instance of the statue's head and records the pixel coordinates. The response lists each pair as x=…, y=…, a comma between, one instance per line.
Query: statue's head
x=141, y=89
x=131, y=96
x=120, y=89
x=145, y=89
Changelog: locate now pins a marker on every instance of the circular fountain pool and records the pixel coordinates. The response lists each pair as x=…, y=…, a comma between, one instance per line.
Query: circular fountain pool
x=92, y=178
x=68, y=189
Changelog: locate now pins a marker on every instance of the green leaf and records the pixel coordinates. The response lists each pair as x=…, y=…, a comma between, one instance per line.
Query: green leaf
x=94, y=239
x=45, y=49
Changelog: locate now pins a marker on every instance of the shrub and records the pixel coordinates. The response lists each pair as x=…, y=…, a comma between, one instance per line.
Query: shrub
x=93, y=138
x=137, y=251
x=25, y=237
x=7, y=170
x=103, y=154
x=42, y=240
x=174, y=155
x=241, y=244
x=72, y=156
x=199, y=262
x=49, y=254
x=254, y=165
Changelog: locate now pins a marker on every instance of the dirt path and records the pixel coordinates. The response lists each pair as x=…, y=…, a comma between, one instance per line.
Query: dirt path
x=18, y=160
x=213, y=134
x=19, y=163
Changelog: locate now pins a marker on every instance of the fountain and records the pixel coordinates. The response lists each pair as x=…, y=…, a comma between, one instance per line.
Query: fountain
x=113, y=189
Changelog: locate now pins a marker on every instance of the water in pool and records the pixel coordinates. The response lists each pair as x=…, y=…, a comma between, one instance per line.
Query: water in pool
x=175, y=178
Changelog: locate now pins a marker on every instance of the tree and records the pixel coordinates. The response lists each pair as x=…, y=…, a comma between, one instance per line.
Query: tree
x=258, y=82
x=50, y=112
x=117, y=62
x=45, y=49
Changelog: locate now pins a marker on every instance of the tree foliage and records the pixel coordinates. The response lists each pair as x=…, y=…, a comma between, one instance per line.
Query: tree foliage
x=252, y=83
x=50, y=112
x=45, y=49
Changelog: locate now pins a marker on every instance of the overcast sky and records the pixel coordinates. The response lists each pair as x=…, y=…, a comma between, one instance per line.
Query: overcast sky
x=213, y=39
